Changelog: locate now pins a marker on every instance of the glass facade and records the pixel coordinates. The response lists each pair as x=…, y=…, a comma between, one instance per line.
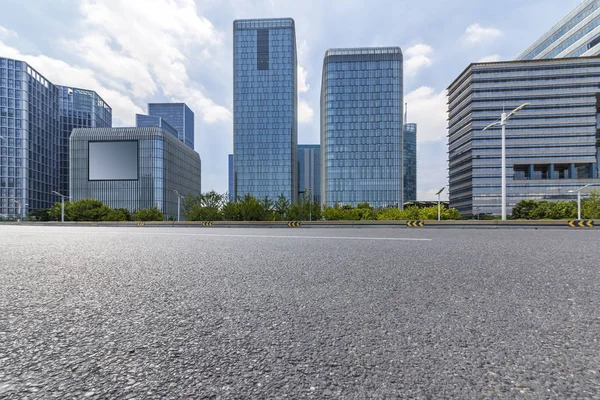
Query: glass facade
x=578, y=34
x=309, y=171
x=164, y=164
x=78, y=108
x=361, y=127
x=142, y=120
x=265, y=108
x=29, y=143
x=552, y=145
x=410, y=162
x=230, y=176
x=178, y=116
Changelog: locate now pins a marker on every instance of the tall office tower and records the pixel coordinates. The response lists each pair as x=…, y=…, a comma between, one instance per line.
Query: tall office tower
x=230, y=175
x=265, y=124
x=552, y=145
x=178, y=116
x=361, y=127
x=576, y=35
x=78, y=108
x=309, y=171
x=410, y=162
x=30, y=143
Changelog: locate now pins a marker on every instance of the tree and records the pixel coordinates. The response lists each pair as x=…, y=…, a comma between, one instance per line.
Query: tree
x=148, y=214
x=80, y=210
x=281, y=207
x=43, y=214
x=590, y=206
x=231, y=212
x=544, y=209
x=267, y=205
x=524, y=209
x=204, y=207
x=251, y=209
x=118, y=214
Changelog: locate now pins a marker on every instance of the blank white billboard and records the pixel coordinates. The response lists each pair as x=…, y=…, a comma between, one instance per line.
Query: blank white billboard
x=113, y=161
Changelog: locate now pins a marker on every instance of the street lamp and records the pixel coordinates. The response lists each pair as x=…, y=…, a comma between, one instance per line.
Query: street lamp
x=18, y=203
x=62, y=208
x=578, y=191
x=439, y=203
x=179, y=197
x=503, y=119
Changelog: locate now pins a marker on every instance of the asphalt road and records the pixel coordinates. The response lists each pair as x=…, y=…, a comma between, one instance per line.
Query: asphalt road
x=123, y=313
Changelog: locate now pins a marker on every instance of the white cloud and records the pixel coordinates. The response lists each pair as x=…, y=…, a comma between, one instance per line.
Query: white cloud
x=62, y=73
x=417, y=57
x=305, y=112
x=476, y=33
x=7, y=32
x=303, y=86
x=427, y=108
x=490, y=58
x=129, y=72
x=149, y=53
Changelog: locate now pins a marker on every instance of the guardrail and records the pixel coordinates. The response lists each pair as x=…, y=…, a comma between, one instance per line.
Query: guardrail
x=422, y=224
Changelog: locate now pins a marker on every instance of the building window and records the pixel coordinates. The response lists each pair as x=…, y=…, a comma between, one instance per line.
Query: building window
x=521, y=172
x=262, y=49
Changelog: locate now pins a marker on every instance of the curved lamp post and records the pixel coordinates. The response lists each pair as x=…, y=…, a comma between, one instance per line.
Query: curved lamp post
x=503, y=119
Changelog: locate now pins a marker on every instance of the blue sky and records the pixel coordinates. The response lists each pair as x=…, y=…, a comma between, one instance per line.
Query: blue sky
x=137, y=51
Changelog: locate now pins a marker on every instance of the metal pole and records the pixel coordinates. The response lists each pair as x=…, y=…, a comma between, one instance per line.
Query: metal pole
x=19, y=208
x=503, y=122
x=439, y=209
x=310, y=205
x=178, y=209
x=579, y=205
x=62, y=210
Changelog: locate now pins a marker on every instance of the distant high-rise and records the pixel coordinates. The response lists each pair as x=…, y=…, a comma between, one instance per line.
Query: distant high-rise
x=179, y=116
x=78, y=108
x=577, y=34
x=230, y=175
x=410, y=162
x=142, y=120
x=361, y=127
x=309, y=171
x=265, y=108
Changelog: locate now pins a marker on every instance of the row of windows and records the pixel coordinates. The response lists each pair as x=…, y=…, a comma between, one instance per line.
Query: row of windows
x=363, y=65
x=5, y=62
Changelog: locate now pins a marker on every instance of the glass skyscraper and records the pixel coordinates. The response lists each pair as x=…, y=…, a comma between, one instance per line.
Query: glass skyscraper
x=36, y=119
x=265, y=108
x=361, y=127
x=552, y=145
x=29, y=147
x=78, y=108
x=578, y=34
x=309, y=171
x=410, y=162
x=178, y=116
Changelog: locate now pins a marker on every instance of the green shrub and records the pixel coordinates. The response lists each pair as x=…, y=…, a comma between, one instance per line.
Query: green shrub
x=148, y=214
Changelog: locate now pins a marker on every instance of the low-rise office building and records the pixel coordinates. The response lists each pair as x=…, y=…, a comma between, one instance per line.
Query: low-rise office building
x=552, y=145
x=133, y=168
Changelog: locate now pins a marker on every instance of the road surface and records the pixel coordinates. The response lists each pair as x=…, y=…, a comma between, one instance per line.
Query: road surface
x=298, y=313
